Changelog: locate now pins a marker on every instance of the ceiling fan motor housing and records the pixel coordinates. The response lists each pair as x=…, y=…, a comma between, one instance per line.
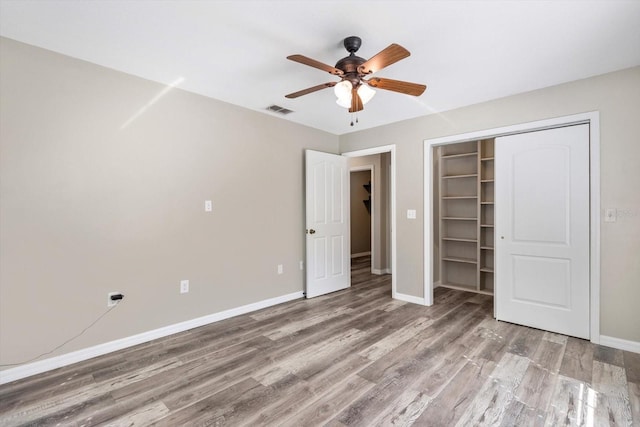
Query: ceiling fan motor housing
x=349, y=64
x=352, y=44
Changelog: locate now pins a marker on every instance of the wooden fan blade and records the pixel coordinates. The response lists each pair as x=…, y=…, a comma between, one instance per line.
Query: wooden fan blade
x=315, y=64
x=414, y=89
x=390, y=55
x=356, y=102
x=310, y=90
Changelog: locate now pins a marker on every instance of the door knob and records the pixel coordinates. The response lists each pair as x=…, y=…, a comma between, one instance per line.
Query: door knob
x=312, y=231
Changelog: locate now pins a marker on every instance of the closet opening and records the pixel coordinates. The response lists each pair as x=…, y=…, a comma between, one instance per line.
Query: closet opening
x=463, y=216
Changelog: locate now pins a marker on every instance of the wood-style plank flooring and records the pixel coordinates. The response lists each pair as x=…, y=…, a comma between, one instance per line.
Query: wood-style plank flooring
x=352, y=358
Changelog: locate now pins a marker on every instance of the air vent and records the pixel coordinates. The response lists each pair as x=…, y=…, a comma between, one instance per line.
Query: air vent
x=278, y=109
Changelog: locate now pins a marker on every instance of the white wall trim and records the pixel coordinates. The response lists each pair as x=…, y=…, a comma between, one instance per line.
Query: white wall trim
x=428, y=222
x=38, y=367
x=593, y=118
x=620, y=344
x=409, y=298
x=594, y=196
x=392, y=150
x=380, y=271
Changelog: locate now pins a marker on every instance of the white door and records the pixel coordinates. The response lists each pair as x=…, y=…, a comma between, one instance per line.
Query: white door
x=327, y=216
x=542, y=229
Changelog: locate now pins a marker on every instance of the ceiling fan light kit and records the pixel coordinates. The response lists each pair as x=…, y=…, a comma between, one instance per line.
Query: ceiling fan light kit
x=353, y=90
x=344, y=89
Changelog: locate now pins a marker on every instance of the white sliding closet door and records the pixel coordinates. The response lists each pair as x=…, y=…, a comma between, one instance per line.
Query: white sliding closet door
x=542, y=229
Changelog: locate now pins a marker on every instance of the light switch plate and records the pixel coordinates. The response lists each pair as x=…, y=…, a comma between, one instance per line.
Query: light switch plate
x=411, y=213
x=184, y=286
x=208, y=205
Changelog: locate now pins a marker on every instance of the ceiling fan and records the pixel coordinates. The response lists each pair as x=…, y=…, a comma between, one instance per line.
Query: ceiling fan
x=353, y=89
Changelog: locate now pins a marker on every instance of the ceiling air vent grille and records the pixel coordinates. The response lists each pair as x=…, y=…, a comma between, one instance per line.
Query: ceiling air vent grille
x=278, y=109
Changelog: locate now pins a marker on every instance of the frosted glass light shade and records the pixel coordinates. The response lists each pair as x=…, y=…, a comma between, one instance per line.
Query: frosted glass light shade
x=366, y=93
x=343, y=89
x=344, y=102
x=343, y=92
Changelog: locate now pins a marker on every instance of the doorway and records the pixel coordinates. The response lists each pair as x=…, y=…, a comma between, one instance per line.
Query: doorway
x=362, y=211
x=383, y=243
x=594, y=201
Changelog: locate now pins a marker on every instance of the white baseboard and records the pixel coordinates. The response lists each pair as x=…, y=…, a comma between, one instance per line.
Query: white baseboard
x=380, y=271
x=620, y=344
x=409, y=298
x=360, y=254
x=38, y=367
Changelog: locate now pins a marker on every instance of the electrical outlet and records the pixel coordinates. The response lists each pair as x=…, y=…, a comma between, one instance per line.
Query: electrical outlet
x=112, y=302
x=184, y=286
x=301, y=265
x=280, y=269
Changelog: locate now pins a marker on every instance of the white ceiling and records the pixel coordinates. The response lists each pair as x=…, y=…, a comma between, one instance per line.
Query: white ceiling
x=465, y=51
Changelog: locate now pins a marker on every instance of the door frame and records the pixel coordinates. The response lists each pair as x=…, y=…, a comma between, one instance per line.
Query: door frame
x=392, y=197
x=372, y=212
x=593, y=119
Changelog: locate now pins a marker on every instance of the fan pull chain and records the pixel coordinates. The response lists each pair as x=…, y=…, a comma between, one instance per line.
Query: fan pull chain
x=356, y=114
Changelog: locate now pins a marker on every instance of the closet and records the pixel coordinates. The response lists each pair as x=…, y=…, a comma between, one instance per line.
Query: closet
x=466, y=215
x=513, y=217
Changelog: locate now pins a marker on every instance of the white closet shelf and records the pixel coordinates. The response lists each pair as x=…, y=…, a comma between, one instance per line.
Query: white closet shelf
x=457, y=156
x=459, y=197
x=473, y=175
x=460, y=259
x=462, y=287
x=454, y=218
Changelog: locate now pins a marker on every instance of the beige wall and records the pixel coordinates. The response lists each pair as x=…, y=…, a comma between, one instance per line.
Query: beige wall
x=360, y=216
x=89, y=206
x=617, y=97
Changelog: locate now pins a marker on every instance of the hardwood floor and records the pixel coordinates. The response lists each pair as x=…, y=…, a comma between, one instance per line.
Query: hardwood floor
x=355, y=358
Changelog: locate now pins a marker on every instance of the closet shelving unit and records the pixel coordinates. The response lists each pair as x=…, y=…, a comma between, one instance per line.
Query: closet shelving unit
x=466, y=212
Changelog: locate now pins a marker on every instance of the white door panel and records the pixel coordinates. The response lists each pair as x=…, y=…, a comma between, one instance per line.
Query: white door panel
x=327, y=218
x=542, y=220
x=541, y=280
